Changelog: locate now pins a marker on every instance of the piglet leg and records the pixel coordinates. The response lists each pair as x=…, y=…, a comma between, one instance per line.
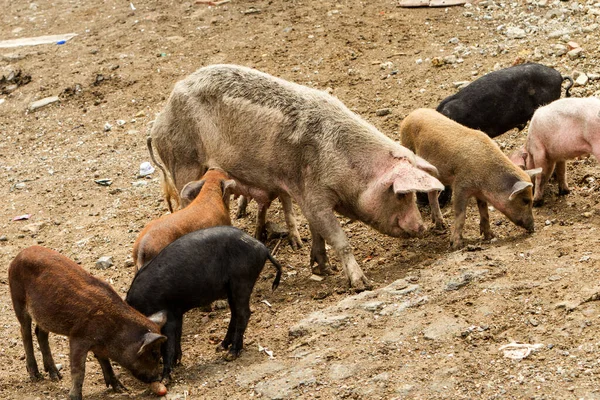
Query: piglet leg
x=561, y=176
x=260, y=232
x=542, y=179
x=484, y=220
x=241, y=208
x=460, y=212
x=49, y=365
x=32, y=367
x=78, y=351
x=240, y=301
x=169, y=348
x=109, y=375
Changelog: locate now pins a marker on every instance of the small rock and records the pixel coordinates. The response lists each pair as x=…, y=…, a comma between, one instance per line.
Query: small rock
x=460, y=84
x=383, y=112
x=453, y=40
x=33, y=228
x=43, y=102
x=20, y=185
x=560, y=50
x=573, y=45
x=419, y=61
x=140, y=114
x=593, y=77
x=121, y=122
x=3, y=238
x=515, y=33
x=581, y=80
x=316, y=278
x=575, y=53
x=450, y=59
x=107, y=127
x=104, y=262
x=587, y=214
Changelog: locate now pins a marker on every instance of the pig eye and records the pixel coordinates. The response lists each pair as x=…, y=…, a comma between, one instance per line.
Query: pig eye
x=526, y=201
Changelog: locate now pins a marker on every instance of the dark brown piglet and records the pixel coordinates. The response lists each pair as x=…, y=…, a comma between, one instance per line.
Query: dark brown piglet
x=61, y=297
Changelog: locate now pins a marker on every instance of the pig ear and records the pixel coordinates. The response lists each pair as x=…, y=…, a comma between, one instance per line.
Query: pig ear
x=159, y=318
x=424, y=165
x=410, y=179
x=149, y=340
x=533, y=172
x=518, y=187
x=227, y=187
x=191, y=190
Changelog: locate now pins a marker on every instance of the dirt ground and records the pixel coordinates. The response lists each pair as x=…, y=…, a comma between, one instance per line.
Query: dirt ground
x=119, y=70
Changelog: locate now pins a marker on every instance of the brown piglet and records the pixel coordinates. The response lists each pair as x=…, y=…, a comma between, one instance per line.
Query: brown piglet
x=205, y=204
x=472, y=163
x=61, y=297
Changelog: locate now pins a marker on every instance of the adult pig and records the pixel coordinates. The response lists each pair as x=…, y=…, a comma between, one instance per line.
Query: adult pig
x=195, y=270
x=280, y=138
x=474, y=166
x=61, y=297
x=560, y=131
x=504, y=99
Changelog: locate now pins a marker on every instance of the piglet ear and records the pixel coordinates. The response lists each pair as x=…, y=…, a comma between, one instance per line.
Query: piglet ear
x=518, y=187
x=150, y=339
x=424, y=165
x=191, y=190
x=159, y=318
x=227, y=187
x=409, y=179
x=533, y=172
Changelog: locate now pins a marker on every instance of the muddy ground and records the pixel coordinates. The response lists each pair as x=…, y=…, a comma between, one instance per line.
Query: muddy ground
x=461, y=307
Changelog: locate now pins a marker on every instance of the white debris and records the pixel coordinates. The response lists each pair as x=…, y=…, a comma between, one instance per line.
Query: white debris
x=519, y=351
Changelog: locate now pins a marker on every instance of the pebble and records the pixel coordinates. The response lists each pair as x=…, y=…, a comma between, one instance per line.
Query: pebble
x=3, y=238
x=383, y=112
x=581, y=80
x=43, y=103
x=107, y=127
x=515, y=33
x=575, y=53
x=104, y=262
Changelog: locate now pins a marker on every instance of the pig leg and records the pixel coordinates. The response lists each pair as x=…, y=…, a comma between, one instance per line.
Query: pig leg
x=323, y=221
x=109, y=375
x=460, y=201
x=260, y=232
x=541, y=179
x=484, y=220
x=169, y=348
x=224, y=345
x=561, y=176
x=240, y=302
x=290, y=221
x=318, y=254
x=49, y=365
x=436, y=213
x=78, y=351
x=241, y=209
x=25, y=320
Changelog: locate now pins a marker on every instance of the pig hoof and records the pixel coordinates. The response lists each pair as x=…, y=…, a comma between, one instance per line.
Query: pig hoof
x=55, y=376
x=456, y=244
x=538, y=203
x=230, y=356
x=36, y=377
x=222, y=347
x=563, y=192
x=322, y=270
x=295, y=242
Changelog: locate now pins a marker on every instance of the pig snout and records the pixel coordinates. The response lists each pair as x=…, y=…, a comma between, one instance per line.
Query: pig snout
x=411, y=223
x=148, y=376
x=527, y=224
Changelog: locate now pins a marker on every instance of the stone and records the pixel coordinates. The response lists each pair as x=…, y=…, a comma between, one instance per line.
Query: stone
x=33, y=228
x=572, y=45
x=383, y=112
x=257, y=372
x=460, y=84
x=575, y=53
x=104, y=262
x=3, y=238
x=515, y=33
x=338, y=372
x=581, y=80
x=43, y=103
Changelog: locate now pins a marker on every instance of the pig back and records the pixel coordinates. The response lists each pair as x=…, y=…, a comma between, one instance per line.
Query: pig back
x=60, y=295
x=196, y=269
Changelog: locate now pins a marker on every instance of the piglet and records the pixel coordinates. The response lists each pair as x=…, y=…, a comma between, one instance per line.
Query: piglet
x=61, y=297
x=560, y=131
x=474, y=166
x=195, y=270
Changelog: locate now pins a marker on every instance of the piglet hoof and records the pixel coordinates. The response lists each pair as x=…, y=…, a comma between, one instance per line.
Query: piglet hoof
x=36, y=377
x=564, y=192
x=55, y=375
x=231, y=355
x=538, y=203
x=456, y=244
x=322, y=270
x=222, y=347
x=118, y=386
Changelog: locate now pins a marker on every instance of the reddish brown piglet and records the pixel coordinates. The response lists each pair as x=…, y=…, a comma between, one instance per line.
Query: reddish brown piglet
x=61, y=297
x=206, y=204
